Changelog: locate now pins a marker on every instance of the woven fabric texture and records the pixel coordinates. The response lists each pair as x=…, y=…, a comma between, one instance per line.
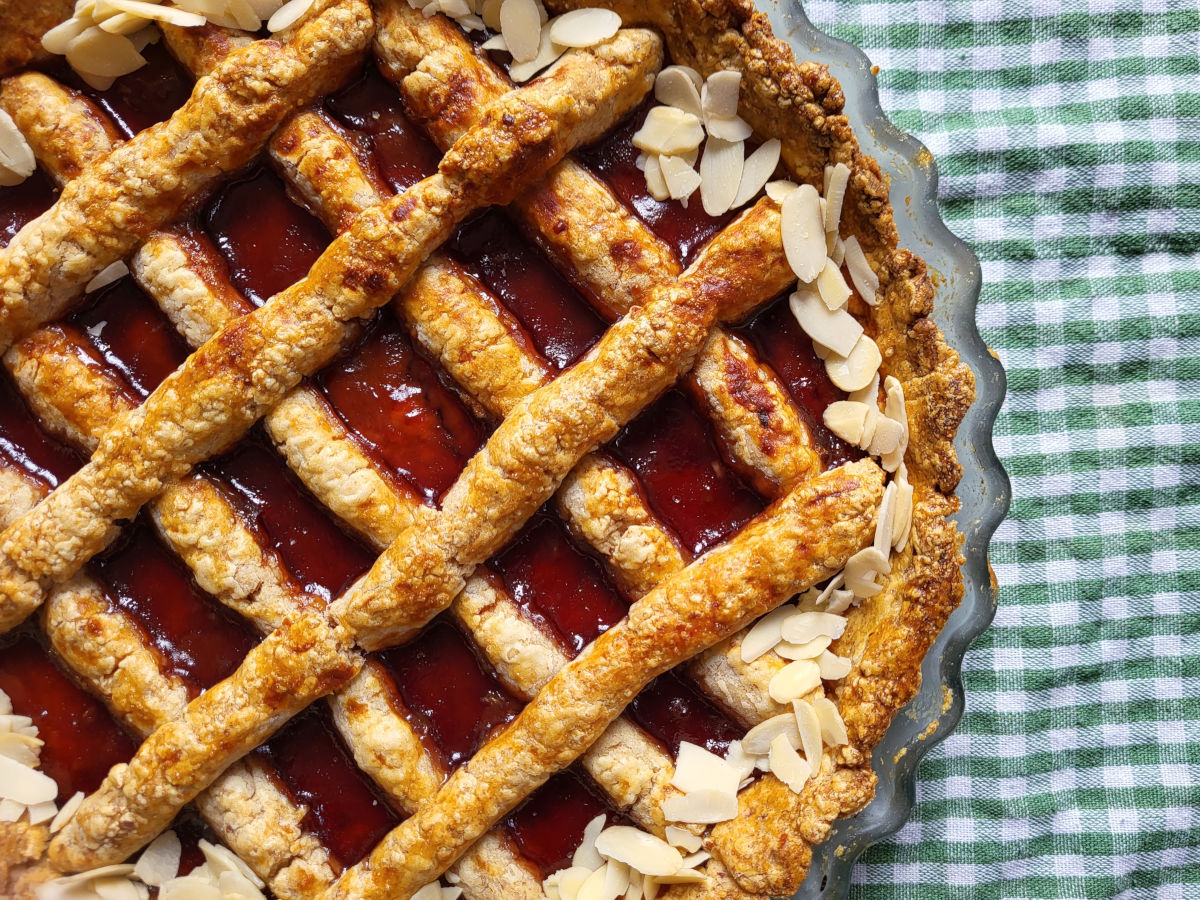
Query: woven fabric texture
x=1067, y=135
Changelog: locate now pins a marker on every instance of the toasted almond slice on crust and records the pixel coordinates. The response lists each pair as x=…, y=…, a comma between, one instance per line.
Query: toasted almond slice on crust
x=677, y=86
x=720, y=174
x=846, y=419
x=835, y=329
x=854, y=372
x=719, y=96
x=757, y=741
x=584, y=27
x=833, y=729
x=803, y=232
x=705, y=807
x=521, y=25
x=837, y=178
x=681, y=179
x=810, y=732
x=832, y=286
x=758, y=167
x=794, y=680
x=862, y=276
x=804, y=626
x=765, y=633
x=648, y=854
x=787, y=765
x=669, y=131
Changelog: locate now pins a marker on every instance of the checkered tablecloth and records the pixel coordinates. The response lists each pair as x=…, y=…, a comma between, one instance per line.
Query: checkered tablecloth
x=1067, y=134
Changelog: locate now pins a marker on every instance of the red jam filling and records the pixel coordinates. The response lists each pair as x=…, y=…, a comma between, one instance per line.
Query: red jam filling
x=82, y=741
x=548, y=827
x=393, y=399
x=562, y=589
x=143, y=97
x=200, y=641
x=780, y=342
x=131, y=334
x=553, y=313
x=685, y=231
x=672, y=450
x=26, y=445
x=269, y=243
x=345, y=810
x=674, y=710
x=372, y=111
x=453, y=698
x=24, y=202
x=309, y=542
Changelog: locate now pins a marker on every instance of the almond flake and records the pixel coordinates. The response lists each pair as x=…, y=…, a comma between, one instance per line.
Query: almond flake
x=681, y=179
x=585, y=27
x=758, y=167
x=42, y=812
x=521, y=24
x=669, y=131
x=698, y=769
x=681, y=837
x=634, y=891
x=21, y=748
x=833, y=667
x=222, y=859
x=803, y=232
x=189, y=888
x=862, y=276
x=586, y=854
x=835, y=193
x=719, y=96
x=571, y=880
x=835, y=329
x=833, y=729
x=832, y=286
x=854, y=372
x=839, y=601
x=68, y=810
x=741, y=761
x=836, y=248
x=156, y=11
x=431, y=891
x=720, y=174
x=902, y=521
x=733, y=129
x=103, y=55
x=794, y=680
x=118, y=869
x=804, y=626
x=845, y=418
x=696, y=858
x=495, y=42
x=593, y=886
x=109, y=274
x=490, y=13
x=616, y=879
x=895, y=409
x=779, y=189
x=650, y=887
x=648, y=854
x=159, y=862
x=884, y=520
x=11, y=810
x=765, y=633
x=547, y=52
x=655, y=183
x=288, y=15
x=683, y=876
x=676, y=86
x=757, y=741
x=58, y=38
x=25, y=785
x=705, y=807
x=787, y=766
x=5, y=704
x=808, y=650
x=886, y=437
x=810, y=732
x=869, y=394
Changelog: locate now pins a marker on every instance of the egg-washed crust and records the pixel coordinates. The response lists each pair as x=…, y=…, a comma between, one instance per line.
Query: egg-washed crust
x=767, y=848
x=22, y=23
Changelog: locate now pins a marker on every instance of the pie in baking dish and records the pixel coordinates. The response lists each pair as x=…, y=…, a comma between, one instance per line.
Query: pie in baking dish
x=451, y=447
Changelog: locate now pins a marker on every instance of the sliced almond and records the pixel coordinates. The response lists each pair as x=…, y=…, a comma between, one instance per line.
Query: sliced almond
x=616, y=879
x=833, y=729
x=832, y=286
x=158, y=12
x=787, y=766
x=869, y=394
x=719, y=96
x=58, y=38
x=571, y=880
x=547, y=53
x=120, y=870
x=11, y=810
x=862, y=276
x=681, y=179
x=794, y=680
x=21, y=748
x=884, y=520
x=125, y=23
x=25, y=785
x=854, y=372
x=704, y=807
x=221, y=859
x=758, y=167
x=803, y=232
x=6, y=707
x=584, y=27
x=655, y=183
x=734, y=129
x=455, y=9
x=835, y=193
x=109, y=274
x=697, y=769
x=586, y=854
x=42, y=812
x=742, y=762
x=676, y=86
x=103, y=55
x=490, y=13
x=720, y=174
x=886, y=437
x=159, y=862
x=839, y=601
x=902, y=517
x=845, y=418
x=68, y=810
x=809, y=727
x=648, y=854
x=495, y=42
x=833, y=667
x=683, y=876
x=681, y=837
x=861, y=572
x=780, y=188
x=593, y=887
x=757, y=741
x=804, y=626
x=288, y=15
x=869, y=426
x=835, y=329
x=765, y=633
x=634, y=891
x=117, y=888
x=669, y=131
x=521, y=25
x=808, y=650
x=235, y=886
x=836, y=248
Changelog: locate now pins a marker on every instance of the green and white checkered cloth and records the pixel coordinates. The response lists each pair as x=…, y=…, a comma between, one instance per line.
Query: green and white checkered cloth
x=1067, y=134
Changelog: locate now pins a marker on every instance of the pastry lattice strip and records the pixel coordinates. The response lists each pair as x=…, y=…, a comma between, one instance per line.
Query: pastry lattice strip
x=85, y=403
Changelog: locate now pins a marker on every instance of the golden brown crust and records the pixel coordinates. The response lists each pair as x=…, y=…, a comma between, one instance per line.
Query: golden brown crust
x=23, y=22
x=824, y=520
